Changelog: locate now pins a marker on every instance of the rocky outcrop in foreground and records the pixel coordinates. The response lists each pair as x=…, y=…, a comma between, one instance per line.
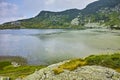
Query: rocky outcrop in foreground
x=81, y=73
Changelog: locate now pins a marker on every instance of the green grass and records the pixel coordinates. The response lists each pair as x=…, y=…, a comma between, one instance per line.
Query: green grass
x=7, y=70
x=107, y=60
x=4, y=64
x=18, y=72
x=71, y=65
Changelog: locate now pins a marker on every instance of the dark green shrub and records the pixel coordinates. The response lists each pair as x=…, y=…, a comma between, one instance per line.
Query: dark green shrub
x=4, y=64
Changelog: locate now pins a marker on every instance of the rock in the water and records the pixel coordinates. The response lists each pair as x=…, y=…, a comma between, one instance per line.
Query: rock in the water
x=81, y=73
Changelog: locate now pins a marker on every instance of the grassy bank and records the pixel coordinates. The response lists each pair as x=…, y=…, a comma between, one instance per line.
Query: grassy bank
x=18, y=72
x=107, y=60
x=9, y=70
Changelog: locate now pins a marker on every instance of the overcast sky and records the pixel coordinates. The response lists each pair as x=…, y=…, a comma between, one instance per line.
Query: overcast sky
x=11, y=10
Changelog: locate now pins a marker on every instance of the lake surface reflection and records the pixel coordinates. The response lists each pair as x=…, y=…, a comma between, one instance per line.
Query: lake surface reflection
x=43, y=46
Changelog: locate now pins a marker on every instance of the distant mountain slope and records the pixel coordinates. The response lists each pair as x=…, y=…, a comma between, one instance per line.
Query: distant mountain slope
x=72, y=13
x=97, y=5
x=103, y=12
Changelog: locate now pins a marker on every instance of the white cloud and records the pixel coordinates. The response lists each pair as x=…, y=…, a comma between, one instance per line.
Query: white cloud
x=79, y=3
x=66, y=4
x=49, y=2
x=8, y=12
x=6, y=9
x=54, y=5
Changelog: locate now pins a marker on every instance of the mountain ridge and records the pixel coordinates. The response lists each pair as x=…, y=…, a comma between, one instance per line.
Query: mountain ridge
x=73, y=18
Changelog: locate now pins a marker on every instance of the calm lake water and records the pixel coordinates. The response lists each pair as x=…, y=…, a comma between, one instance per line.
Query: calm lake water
x=43, y=46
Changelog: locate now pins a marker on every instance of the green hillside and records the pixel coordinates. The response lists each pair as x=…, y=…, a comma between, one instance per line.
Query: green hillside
x=104, y=12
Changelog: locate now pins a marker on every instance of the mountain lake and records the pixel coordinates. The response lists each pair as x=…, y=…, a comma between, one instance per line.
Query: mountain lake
x=44, y=46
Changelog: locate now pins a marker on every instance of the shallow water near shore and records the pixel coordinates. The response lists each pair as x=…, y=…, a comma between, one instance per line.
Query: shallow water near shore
x=44, y=46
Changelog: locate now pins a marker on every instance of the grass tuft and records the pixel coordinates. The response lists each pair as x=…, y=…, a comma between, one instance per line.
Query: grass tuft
x=107, y=60
x=71, y=65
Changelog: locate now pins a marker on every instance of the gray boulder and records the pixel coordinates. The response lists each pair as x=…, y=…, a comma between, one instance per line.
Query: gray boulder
x=81, y=73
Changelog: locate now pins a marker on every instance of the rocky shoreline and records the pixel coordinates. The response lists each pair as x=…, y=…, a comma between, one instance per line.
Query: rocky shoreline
x=93, y=67
x=81, y=73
